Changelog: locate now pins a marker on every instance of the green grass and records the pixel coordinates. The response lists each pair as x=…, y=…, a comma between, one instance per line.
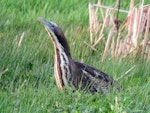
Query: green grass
x=29, y=85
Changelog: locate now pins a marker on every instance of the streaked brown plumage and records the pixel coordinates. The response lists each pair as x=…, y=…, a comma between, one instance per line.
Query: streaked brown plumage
x=69, y=72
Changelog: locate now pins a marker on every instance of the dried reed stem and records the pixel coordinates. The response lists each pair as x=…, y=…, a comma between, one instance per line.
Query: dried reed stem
x=145, y=41
x=134, y=30
x=126, y=72
x=90, y=22
x=110, y=8
x=94, y=23
x=107, y=44
x=21, y=39
x=104, y=23
x=89, y=46
x=101, y=10
x=98, y=40
x=3, y=72
x=21, y=85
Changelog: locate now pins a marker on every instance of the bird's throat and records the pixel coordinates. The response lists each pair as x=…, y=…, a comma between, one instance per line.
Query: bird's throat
x=61, y=69
x=58, y=71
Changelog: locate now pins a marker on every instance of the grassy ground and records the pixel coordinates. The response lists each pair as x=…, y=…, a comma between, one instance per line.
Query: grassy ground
x=29, y=85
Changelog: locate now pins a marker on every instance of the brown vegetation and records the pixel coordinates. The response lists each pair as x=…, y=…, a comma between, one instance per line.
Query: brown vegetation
x=128, y=37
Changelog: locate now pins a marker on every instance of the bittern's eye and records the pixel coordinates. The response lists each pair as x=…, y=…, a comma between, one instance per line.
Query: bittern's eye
x=52, y=26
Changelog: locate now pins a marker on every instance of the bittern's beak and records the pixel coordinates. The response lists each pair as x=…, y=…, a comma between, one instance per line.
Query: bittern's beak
x=48, y=25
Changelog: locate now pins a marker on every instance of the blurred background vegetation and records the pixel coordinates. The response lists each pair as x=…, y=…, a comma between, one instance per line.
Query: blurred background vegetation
x=29, y=86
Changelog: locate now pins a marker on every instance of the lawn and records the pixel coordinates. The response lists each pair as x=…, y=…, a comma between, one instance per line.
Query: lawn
x=29, y=86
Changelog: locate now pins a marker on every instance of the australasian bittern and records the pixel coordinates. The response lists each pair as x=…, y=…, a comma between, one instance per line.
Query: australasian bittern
x=69, y=72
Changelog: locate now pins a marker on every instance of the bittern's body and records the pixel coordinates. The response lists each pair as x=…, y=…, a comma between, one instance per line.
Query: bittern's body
x=71, y=73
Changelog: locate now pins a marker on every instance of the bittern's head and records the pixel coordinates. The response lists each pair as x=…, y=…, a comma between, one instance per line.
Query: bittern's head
x=52, y=28
x=56, y=34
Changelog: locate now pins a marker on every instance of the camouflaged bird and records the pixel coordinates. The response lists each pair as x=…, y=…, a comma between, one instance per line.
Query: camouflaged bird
x=68, y=72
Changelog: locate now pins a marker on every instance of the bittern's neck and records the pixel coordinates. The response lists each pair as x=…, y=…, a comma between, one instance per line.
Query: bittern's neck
x=61, y=45
x=62, y=62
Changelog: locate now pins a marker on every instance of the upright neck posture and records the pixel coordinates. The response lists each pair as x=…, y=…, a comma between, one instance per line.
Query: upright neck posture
x=62, y=53
x=68, y=72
